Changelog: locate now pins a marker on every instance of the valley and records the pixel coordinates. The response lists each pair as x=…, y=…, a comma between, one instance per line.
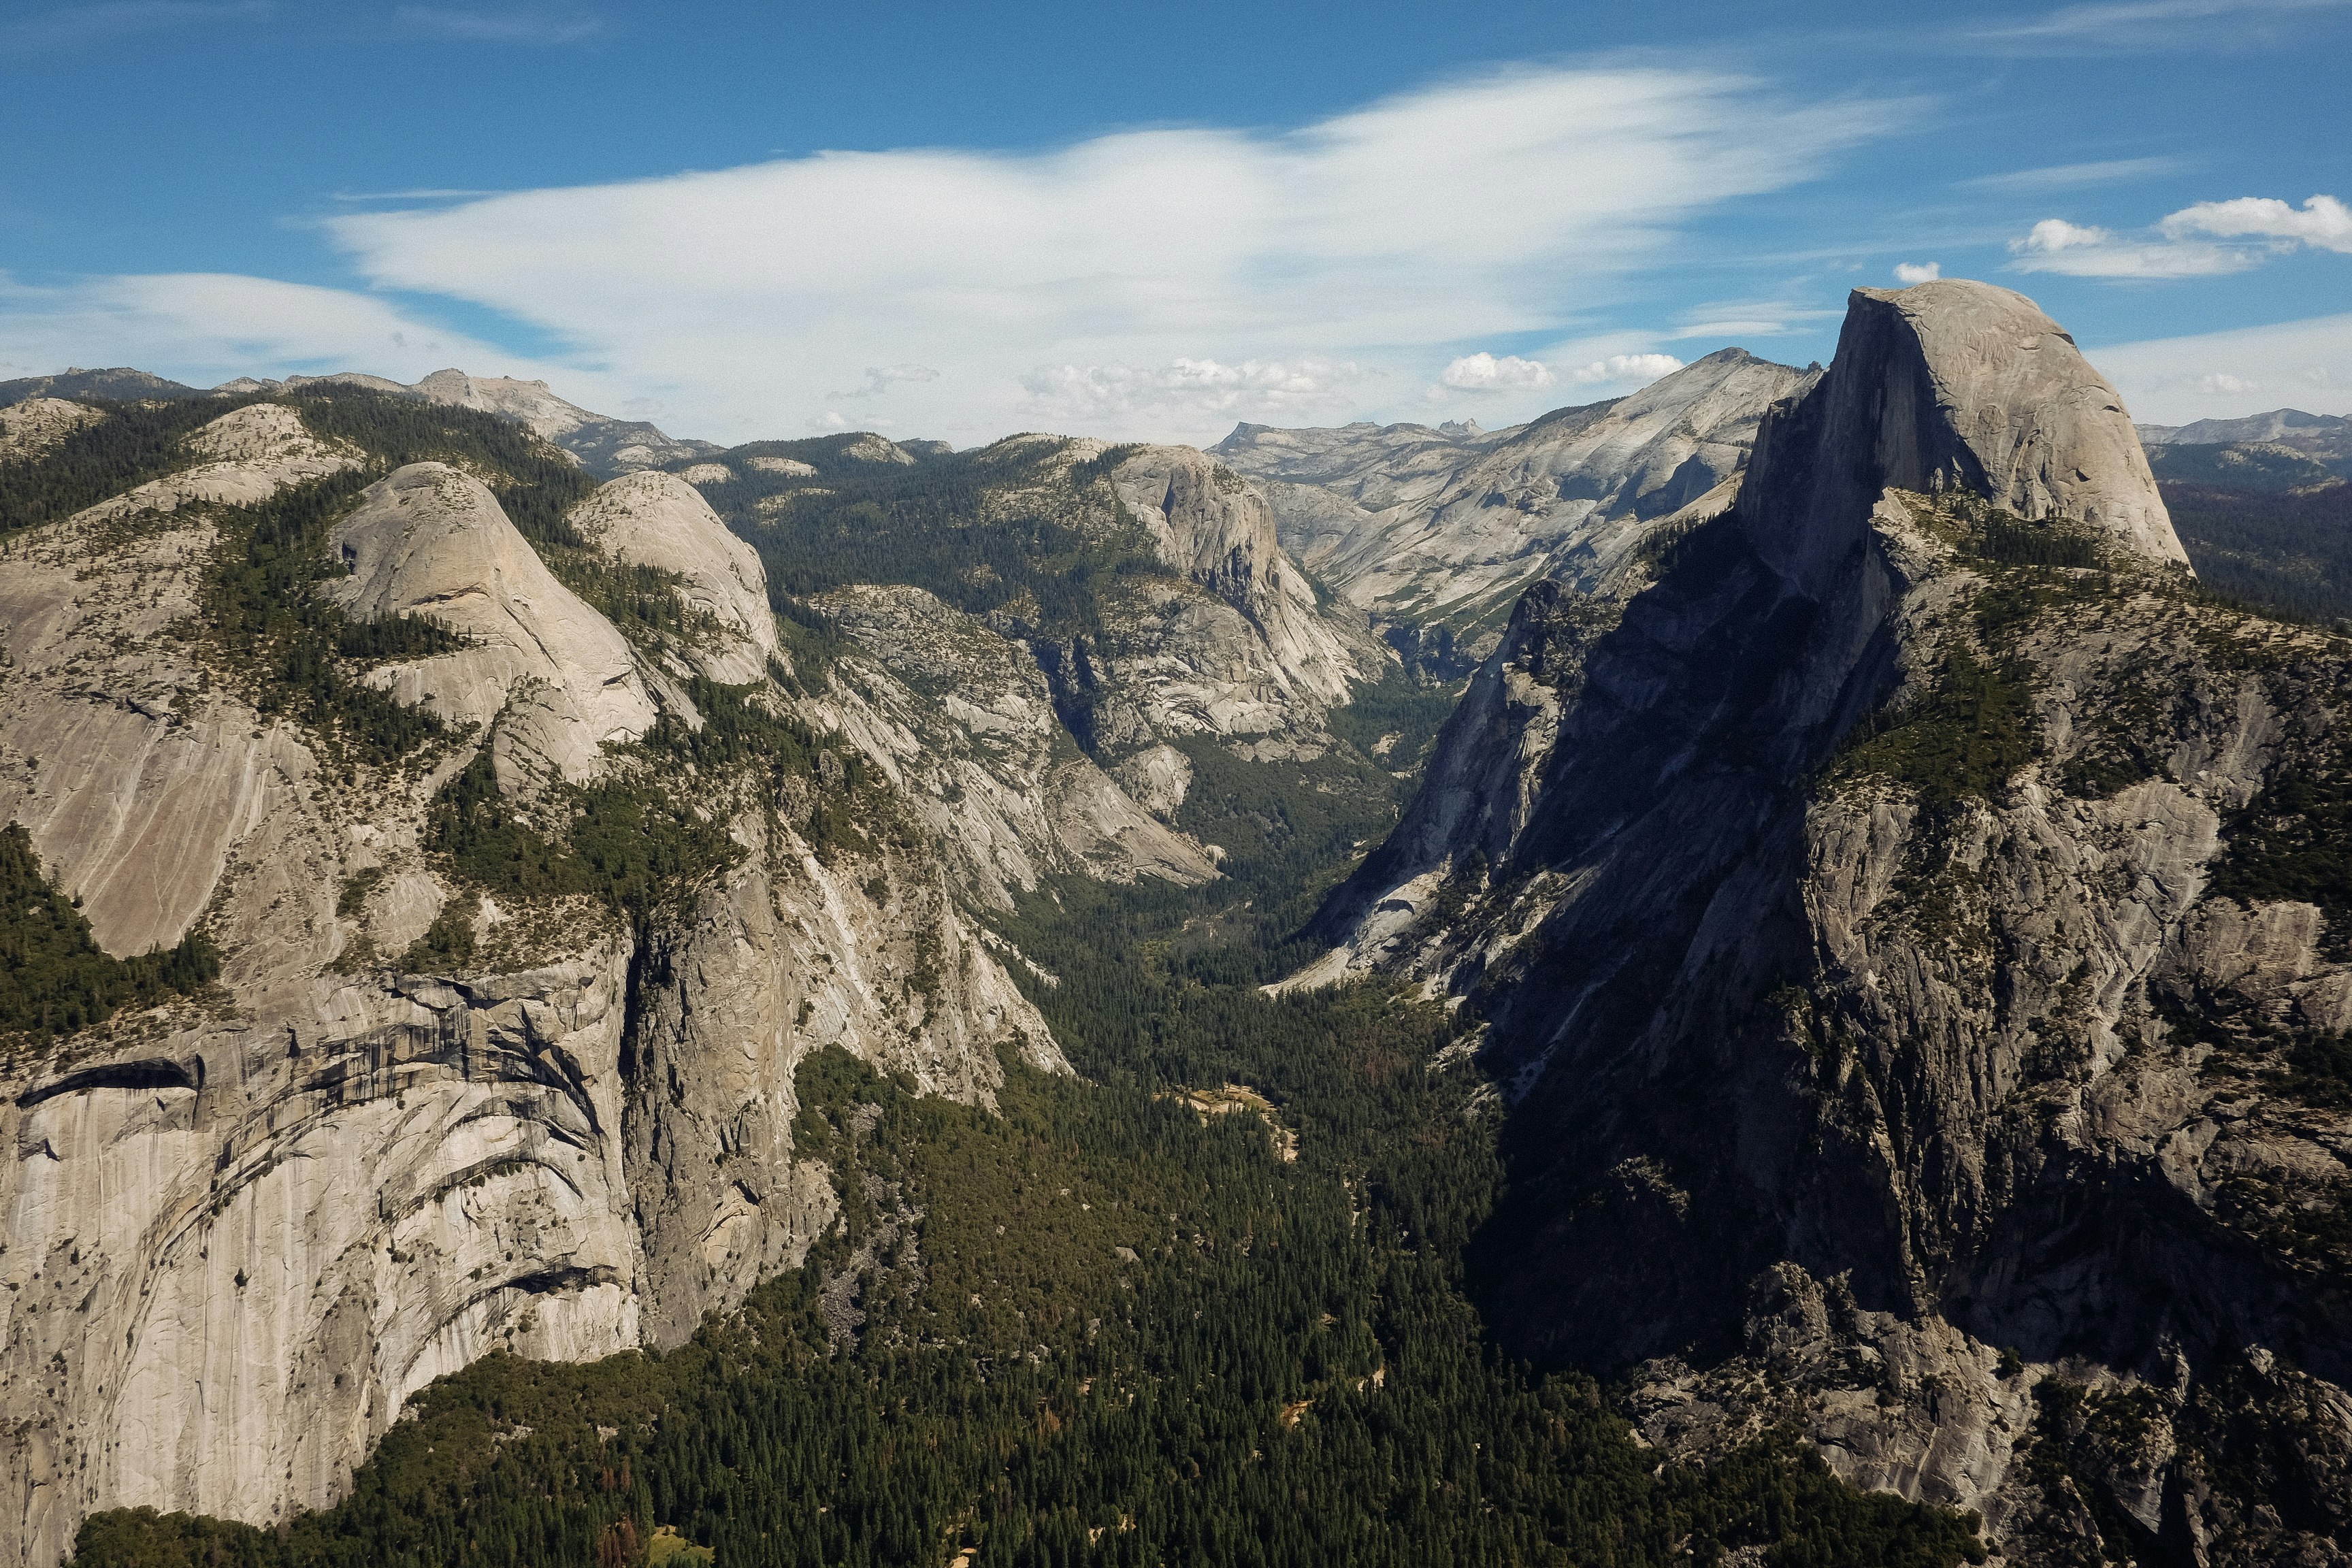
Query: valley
x=1762, y=958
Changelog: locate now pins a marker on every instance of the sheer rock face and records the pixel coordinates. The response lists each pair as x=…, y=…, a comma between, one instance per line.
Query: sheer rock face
x=237, y=1248
x=135, y=783
x=1952, y=382
x=1228, y=644
x=963, y=720
x=1449, y=526
x=243, y=1228
x=1827, y=1084
x=785, y=957
x=429, y=540
x=1216, y=529
x=660, y=520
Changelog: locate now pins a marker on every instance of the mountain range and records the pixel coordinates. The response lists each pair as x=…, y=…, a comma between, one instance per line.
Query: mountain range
x=1750, y=973
x=603, y=446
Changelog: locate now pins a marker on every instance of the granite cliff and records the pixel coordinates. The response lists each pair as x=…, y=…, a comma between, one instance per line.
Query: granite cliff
x=1912, y=964
x=535, y=857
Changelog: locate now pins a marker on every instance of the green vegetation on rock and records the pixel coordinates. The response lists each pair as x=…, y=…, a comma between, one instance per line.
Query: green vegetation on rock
x=1964, y=738
x=2293, y=840
x=627, y=842
x=262, y=617
x=1045, y=550
x=53, y=977
x=2287, y=553
x=135, y=442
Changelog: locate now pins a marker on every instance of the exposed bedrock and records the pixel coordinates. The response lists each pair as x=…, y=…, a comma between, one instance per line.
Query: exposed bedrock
x=1833, y=1072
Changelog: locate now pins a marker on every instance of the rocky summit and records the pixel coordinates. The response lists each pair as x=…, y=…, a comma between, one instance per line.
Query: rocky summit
x=1753, y=972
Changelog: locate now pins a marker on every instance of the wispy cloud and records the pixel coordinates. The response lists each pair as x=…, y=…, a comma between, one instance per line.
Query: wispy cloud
x=209, y=327
x=2073, y=176
x=1155, y=283
x=881, y=380
x=2305, y=364
x=2129, y=24
x=500, y=26
x=427, y=193
x=1908, y=272
x=1192, y=390
x=1152, y=282
x=2184, y=245
x=66, y=26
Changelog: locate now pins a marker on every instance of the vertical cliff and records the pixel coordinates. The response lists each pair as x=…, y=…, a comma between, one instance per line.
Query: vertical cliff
x=534, y=869
x=1908, y=971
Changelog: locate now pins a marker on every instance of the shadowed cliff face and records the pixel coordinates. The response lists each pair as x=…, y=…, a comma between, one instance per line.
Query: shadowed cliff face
x=1892, y=937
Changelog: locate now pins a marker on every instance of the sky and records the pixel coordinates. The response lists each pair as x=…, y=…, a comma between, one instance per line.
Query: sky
x=746, y=221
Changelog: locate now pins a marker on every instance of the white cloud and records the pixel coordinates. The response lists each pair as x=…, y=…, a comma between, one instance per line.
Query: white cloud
x=2143, y=24
x=1638, y=369
x=2084, y=250
x=881, y=380
x=2265, y=226
x=498, y=26
x=1917, y=271
x=2322, y=221
x=1484, y=373
x=207, y=328
x=739, y=298
x=1165, y=280
x=2304, y=364
x=66, y=26
x=1202, y=392
x=2070, y=177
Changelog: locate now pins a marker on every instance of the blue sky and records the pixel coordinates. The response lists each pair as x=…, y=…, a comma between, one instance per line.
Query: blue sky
x=960, y=221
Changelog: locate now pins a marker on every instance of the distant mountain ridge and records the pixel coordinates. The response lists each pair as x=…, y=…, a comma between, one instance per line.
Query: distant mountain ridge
x=2325, y=434
x=121, y=382
x=604, y=446
x=1443, y=528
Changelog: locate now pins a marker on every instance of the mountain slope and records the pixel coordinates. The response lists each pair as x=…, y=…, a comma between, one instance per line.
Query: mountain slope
x=526, y=913
x=1905, y=925
x=1439, y=530
x=603, y=446
x=2324, y=436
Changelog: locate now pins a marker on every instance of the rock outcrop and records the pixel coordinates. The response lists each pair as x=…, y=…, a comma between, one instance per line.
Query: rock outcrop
x=242, y=1228
x=429, y=540
x=602, y=444
x=1893, y=966
x=38, y=425
x=660, y=520
x=964, y=720
x=1217, y=529
x=1951, y=384
x=1231, y=643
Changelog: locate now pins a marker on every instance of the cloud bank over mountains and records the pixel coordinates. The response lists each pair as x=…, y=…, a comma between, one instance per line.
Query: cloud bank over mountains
x=1158, y=282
